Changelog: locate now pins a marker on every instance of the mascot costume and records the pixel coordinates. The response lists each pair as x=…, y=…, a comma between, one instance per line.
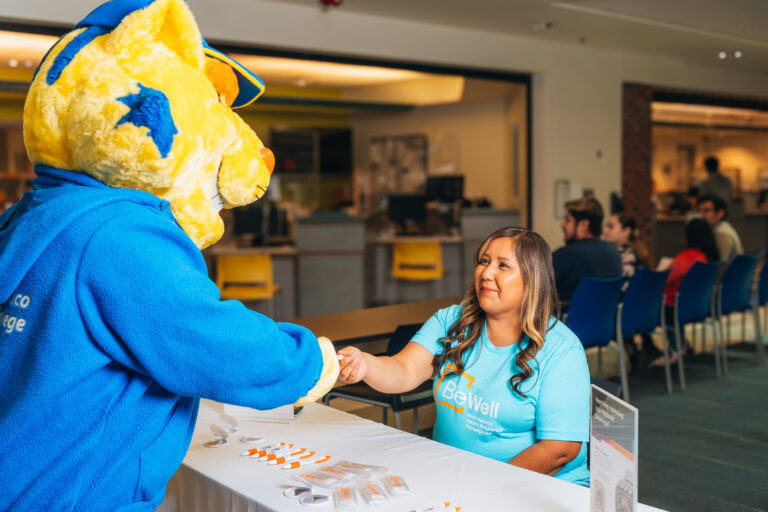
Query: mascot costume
x=111, y=328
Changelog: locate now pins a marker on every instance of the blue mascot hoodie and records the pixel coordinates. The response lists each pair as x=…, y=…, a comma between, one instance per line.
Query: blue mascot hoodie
x=111, y=330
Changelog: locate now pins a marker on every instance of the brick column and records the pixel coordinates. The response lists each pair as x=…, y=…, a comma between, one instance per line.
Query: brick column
x=636, y=183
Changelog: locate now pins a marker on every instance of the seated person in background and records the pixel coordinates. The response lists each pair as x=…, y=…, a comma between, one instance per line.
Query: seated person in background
x=584, y=254
x=699, y=246
x=620, y=230
x=512, y=382
x=691, y=196
x=714, y=210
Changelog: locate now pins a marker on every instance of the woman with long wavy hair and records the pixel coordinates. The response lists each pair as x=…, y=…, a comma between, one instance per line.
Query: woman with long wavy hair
x=511, y=382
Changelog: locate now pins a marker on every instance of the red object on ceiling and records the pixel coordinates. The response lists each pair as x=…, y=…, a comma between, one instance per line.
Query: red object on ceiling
x=331, y=3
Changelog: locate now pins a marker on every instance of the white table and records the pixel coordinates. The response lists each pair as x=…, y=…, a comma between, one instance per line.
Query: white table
x=220, y=480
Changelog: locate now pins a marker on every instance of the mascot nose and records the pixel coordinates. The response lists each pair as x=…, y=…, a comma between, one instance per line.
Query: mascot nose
x=269, y=158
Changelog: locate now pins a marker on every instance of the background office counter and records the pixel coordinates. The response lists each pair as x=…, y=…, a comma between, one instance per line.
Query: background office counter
x=458, y=251
x=388, y=290
x=331, y=270
x=284, y=269
x=668, y=230
x=344, y=263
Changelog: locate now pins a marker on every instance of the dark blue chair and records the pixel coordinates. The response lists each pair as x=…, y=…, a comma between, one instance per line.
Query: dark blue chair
x=762, y=286
x=735, y=296
x=642, y=310
x=594, y=318
x=695, y=302
x=362, y=392
x=762, y=299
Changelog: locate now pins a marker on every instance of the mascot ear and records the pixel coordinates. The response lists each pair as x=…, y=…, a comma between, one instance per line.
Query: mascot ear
x=168, y=21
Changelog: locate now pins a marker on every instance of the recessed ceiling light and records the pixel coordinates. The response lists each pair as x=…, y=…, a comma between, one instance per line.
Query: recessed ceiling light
x=300, y=82
x=722, y=55
x=737, y=54
x=28, y=63
x=13, y=63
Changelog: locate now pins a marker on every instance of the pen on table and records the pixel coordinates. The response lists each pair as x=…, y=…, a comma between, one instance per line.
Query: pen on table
x=254, y=452
x=291, y=458
x=267, y=449
x=299, y=463
x=279, y=453
x=264, y=453
x=438, y=508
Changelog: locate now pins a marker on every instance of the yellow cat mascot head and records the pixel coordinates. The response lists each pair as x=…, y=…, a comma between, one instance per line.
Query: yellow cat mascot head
x=135, y=97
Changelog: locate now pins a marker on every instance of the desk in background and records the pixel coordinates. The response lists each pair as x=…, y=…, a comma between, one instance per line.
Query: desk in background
x=216, y=479
x=668, y=231
x=373, y=323
x=383, y=282
x=331, y=269
x=284, y=269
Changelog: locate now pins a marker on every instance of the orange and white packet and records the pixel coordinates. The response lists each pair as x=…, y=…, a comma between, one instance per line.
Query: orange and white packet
x=345, y=498
x=373, y=492
x=396, y=485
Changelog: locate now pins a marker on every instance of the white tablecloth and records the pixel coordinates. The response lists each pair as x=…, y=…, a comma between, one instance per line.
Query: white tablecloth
x=220, y=480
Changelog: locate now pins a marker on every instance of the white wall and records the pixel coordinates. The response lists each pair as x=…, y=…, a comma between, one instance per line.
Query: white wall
x=576, y=88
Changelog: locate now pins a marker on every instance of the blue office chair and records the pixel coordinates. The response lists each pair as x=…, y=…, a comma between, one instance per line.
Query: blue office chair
x=642, y=310
x=735, y=296
x=594, y=317
x=762, y=286
x=762, y=299
x=362, y=392
x=695, y=302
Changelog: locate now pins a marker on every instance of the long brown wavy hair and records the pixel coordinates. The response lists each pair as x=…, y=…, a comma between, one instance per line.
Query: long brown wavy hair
x=534, y=257
x=640, y=247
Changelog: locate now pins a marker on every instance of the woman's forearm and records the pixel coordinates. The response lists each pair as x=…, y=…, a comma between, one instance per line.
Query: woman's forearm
x=546, y=457
x=388, y=375
x=397, y=374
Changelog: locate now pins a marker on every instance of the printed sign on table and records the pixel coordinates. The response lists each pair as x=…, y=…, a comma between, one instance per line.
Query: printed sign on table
x=612, y=454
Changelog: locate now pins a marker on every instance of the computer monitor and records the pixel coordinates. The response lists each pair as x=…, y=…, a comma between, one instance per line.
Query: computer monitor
x=252, y=220
x=247, y=219
x=407, y=210
x=445, y=189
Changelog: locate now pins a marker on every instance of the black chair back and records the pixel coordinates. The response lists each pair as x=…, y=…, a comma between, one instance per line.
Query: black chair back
x=400, y=338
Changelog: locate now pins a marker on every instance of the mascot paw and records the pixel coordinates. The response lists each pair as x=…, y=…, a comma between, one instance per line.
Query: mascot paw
x=329, y=375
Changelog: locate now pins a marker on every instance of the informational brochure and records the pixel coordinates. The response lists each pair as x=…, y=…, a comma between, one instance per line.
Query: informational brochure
x=612, y=454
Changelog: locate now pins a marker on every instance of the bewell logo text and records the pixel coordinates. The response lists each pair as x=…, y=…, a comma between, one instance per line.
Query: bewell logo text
x=456, y=399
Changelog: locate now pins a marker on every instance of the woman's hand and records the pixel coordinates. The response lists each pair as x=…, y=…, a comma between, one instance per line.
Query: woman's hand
x=353, y=366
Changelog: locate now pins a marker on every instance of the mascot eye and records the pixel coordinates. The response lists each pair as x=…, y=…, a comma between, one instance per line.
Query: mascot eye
x=223, y=79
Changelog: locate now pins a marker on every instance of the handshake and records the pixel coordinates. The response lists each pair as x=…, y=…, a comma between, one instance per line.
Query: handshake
x=348, y=365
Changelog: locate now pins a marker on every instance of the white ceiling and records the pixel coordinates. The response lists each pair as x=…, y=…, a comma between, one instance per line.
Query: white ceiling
x=692, y=30
x=282, y=71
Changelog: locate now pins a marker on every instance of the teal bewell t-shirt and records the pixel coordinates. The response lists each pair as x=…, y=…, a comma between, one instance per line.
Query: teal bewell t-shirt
x=478, y=411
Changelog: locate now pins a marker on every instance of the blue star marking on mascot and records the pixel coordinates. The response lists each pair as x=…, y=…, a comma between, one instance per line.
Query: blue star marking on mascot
x=150, y=108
